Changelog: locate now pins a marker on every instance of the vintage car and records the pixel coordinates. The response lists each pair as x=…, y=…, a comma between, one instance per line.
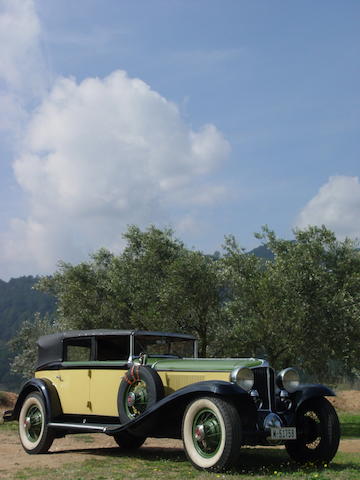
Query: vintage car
x=135, y=384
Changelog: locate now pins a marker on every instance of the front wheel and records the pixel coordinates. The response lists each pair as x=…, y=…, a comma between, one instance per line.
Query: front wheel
x=34, y=434
x=211, y=433
x=318, y=432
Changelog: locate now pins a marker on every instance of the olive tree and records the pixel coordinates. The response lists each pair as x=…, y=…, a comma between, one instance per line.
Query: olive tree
x=155, y=283
x=192, y=297
x=24, y=344
x=304, y=306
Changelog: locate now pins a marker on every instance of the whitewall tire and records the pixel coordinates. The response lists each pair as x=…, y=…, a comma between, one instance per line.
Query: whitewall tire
x=211, y=433
x=34, y=434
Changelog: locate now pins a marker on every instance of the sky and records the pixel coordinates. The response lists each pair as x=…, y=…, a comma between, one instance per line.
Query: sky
x=212, y=117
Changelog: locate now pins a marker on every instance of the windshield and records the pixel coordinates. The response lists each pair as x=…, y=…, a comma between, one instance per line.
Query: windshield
x=162, y=345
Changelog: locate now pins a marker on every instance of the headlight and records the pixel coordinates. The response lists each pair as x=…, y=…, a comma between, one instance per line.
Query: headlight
x=244, y=377
x=288, y=380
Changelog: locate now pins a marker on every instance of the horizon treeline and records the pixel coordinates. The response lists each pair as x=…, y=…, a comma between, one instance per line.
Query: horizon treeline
x=300, y=306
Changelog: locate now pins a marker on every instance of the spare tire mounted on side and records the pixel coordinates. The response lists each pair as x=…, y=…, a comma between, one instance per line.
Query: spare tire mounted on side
x=140, y=388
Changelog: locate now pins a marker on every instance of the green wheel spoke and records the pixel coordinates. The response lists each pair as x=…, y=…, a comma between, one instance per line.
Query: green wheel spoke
x=207, y=422
x=34, y=422
x=140, y=398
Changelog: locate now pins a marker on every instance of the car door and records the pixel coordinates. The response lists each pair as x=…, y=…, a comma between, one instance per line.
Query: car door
x=73, y=380
x=111, y=355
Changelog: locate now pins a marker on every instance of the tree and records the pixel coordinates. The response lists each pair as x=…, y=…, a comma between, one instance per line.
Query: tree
x=155, y=283
x=301, y=308
x=192, y=297
x=139, y=274
x=24, y=344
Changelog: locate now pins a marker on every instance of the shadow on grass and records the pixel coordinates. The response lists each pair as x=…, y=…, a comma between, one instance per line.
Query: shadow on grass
x=259, y=461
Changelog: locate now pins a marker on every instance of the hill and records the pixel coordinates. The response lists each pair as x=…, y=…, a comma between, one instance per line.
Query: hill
x=18, y=302
x=263, y=252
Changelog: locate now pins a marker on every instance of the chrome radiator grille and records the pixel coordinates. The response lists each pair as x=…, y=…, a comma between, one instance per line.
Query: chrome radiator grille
x=265, y=385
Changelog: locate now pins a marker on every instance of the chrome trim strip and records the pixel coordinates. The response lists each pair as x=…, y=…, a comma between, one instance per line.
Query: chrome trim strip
x=268, y=389
x=132, y=343
x=196, y=349
x=78, y=426
x=191, y=370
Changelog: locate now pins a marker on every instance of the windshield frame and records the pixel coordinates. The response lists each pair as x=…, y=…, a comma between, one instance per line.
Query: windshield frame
x=168, y=339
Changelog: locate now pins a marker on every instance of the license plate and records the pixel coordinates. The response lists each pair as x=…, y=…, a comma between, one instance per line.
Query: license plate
x=283, y=433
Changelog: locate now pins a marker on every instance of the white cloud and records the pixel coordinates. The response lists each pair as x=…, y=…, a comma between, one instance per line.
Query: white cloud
x=21, y=67
x=336, y=205
x=24, y=77
x=98, y=156
x=92, y=157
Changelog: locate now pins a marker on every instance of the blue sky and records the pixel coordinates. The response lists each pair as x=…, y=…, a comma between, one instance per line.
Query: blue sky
x=213, y=117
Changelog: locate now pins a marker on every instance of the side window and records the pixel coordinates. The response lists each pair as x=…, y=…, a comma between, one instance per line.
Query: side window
x=113, y=348
x=77, y=350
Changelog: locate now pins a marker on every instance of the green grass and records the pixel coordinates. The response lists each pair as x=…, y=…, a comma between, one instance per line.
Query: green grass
x=84, y=438
x=154, y=463
x=261, y=464
x=350, y=425
x=9, y=427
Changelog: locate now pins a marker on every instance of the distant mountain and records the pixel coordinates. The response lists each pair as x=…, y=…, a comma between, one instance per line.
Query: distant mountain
x=18, y=302
x=263, y=252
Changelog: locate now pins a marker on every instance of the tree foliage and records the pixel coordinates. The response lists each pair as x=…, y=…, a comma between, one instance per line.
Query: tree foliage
x=18, y=303
x=155, y=283
x=24, y=344
x=298, y=306
x=303, y=307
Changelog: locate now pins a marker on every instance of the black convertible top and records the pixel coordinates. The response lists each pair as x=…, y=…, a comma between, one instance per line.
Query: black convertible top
x=50, y=347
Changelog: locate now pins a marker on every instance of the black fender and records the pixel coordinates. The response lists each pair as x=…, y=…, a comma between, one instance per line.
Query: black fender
x=306, y=392
x=171, y=408
x=48, y=392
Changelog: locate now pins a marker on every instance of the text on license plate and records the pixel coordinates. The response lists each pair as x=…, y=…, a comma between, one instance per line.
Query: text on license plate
x=283, y=433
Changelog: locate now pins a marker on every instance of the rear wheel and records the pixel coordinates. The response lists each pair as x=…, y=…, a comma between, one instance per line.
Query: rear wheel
x=318, y=431
x=34, y=434
x=211, y=433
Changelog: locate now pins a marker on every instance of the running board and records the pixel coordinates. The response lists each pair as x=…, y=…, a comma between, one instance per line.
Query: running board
x=84, y=427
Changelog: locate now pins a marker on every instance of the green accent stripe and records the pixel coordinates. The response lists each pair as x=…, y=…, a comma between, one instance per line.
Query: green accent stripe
x=94, y=364
x=184, y=365
x=205, y=364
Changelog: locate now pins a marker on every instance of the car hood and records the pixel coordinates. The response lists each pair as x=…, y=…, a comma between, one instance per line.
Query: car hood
x=206, y=364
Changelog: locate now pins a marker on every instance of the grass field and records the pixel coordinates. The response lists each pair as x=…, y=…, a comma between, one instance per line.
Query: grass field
x=259, y=464
x=350, y=425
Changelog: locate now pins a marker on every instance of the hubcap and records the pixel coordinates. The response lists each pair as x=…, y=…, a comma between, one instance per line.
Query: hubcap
x=199, y=433
x=131, y=399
